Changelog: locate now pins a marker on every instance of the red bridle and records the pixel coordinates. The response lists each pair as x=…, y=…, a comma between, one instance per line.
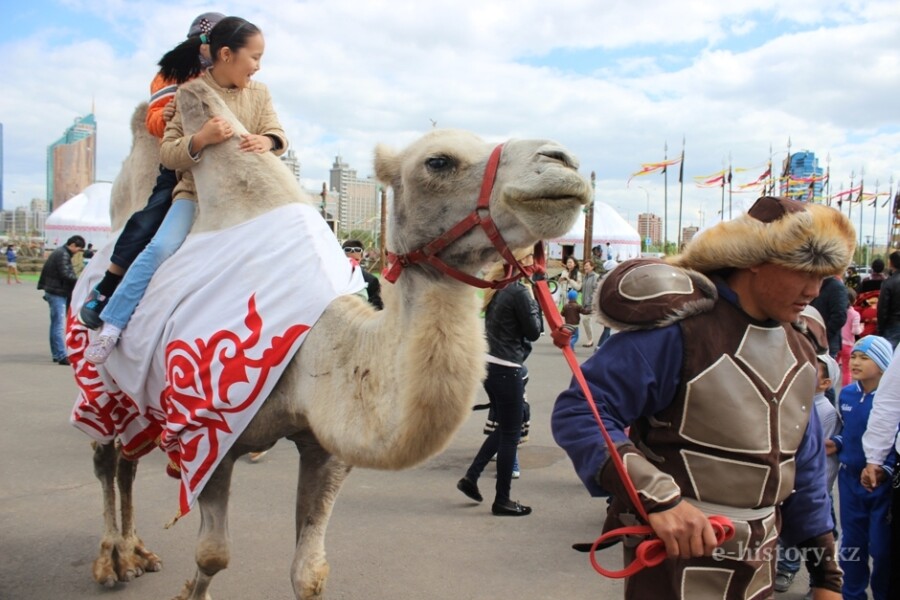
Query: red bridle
x=480, y=216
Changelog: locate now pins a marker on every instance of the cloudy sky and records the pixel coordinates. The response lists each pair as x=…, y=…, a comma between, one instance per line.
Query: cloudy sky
x=614, y=80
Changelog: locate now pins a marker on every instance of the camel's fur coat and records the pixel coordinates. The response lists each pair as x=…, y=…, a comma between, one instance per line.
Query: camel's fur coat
x=375, y=389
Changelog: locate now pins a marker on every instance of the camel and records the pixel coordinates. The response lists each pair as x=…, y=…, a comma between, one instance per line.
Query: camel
x=342, y=399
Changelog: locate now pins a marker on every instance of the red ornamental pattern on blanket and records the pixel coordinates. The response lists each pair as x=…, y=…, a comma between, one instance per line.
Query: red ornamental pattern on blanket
x=208, y=384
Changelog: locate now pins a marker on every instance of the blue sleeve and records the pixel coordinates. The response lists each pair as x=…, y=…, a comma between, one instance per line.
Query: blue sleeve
x=635, y=374
x=807, y=511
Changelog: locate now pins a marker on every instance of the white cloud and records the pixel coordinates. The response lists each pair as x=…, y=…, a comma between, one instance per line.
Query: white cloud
x=733, y=78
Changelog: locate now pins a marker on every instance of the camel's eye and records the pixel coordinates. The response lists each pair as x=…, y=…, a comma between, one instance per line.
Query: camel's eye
x=439, y=163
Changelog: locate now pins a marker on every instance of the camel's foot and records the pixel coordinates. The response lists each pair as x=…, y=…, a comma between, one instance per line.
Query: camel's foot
x=187, y=593
x=123, y=560
x=313, y=576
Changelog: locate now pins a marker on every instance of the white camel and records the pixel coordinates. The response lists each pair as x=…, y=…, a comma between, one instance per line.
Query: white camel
x=343, y=400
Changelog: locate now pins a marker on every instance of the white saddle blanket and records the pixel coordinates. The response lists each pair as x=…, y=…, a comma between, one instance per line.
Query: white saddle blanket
x=219, y=323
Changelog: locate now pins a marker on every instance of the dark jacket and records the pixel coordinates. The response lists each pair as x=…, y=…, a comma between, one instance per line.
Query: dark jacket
x=58, y=276
x=832, y=303
x=511, y=323
x=373, y=289
x=889, y=303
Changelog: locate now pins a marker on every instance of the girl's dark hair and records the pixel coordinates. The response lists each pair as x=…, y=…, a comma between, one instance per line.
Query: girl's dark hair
x=182, y=63
x=232, y=33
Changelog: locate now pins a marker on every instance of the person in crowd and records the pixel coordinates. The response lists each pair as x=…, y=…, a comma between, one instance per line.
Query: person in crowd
x=354, y=251
x=175, y=69
x=850, y=332
x=589, y=284
x=57, y=280
x=607, y=331
x=511, y=323
x=865, y=520
x=828, y=375
x=569, y=279
x=873, y=281
x=867, y=307
x=700, y=340
x=12, y=267
x=880, y=442
x=852, y=279
x=889, y=303
x=236, y=47
x=571, y=312
x=832, y=305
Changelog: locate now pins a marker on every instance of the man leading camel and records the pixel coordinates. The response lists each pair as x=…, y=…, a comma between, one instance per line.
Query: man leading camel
x=714, y=371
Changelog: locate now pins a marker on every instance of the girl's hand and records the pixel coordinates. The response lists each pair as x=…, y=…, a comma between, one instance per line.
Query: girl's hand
x=214, y=131
x=260, y=144
x=169, y=111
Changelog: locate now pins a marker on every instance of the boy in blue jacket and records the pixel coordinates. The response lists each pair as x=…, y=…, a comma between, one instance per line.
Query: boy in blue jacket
x=864, y=514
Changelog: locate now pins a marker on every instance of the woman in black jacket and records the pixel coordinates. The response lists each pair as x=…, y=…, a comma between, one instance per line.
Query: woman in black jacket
x=511, y=323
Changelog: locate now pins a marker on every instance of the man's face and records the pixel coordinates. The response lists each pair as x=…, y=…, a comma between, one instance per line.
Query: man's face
x=75, y=249
x=779, y=293
x=588, y=267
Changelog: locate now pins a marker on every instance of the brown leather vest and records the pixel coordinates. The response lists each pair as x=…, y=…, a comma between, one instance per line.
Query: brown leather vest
x=741, y=411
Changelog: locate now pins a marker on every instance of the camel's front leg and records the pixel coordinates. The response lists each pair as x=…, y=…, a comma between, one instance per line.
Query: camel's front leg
x=105, y=458
x=321, y=477
x=133, y=558
x=212, y=553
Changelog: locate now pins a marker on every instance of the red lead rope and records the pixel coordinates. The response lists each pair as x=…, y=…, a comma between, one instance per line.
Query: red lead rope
x=651, y=551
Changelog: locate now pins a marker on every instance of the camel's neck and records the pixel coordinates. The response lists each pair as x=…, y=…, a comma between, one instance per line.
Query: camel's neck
x=234, y=187
x=409, y=374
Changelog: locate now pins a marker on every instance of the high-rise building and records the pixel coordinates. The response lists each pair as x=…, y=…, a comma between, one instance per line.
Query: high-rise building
x=72, y=161
x=1, y=167
x=803, y=165
x=359, y=207
x=688, y=233
x=650, y=226
x=290, y=160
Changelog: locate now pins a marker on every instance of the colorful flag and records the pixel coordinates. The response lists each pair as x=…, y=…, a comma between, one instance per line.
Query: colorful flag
x=648, y=168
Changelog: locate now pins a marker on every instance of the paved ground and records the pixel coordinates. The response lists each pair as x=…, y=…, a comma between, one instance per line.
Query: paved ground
x=408, y=535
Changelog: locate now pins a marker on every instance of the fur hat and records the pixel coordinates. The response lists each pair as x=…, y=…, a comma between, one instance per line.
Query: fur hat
x=878, y=349
x=798, y=235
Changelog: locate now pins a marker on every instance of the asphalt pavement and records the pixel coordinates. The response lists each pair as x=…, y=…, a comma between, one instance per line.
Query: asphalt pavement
x=393, y=535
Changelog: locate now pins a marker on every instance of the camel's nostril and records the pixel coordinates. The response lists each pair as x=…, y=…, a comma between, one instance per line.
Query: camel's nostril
x=558, y=154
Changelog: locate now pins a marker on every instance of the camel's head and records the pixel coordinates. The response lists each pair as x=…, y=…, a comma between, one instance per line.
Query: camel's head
x=537, y=193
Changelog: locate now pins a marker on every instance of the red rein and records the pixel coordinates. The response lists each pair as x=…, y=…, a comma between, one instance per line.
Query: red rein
x=649, y=552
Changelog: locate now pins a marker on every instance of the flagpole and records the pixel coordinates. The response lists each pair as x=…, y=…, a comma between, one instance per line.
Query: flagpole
x=729, y=185
x=862, y=178
x=769, y=188
x=874, y=218
x=666, y=199
x=722, y=206
x=680, y=193
x=890, y=216
x=850, y=197
x=827, y=190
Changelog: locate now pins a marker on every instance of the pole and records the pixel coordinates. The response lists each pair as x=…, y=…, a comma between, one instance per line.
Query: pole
x=589, y=220
x=680, y=194
x=874, y=219
x=383, y=234
x=665, y=200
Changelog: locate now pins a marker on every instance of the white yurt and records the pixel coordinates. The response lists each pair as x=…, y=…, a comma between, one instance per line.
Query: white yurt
x=86, y=214
x=624, y=240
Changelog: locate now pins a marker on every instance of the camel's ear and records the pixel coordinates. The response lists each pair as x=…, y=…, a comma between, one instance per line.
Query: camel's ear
x=387, y=164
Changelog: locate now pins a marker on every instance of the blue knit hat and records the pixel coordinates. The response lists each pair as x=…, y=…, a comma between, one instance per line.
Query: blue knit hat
x=572, y=295
x=877, y=348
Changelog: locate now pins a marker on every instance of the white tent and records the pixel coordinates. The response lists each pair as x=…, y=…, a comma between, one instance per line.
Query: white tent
x=86, y=214
x=609, y=226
